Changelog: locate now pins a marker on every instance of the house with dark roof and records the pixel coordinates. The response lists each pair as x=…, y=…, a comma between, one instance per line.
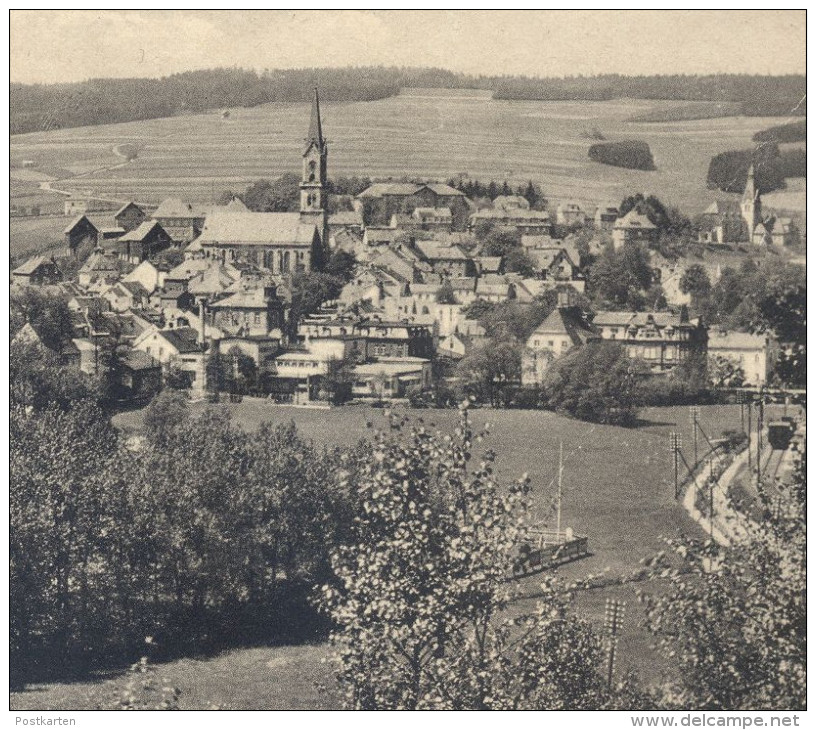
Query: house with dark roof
x=37, y=271
x=80, y=232
x=605, y=216
x=129, y=217
x=140, y=375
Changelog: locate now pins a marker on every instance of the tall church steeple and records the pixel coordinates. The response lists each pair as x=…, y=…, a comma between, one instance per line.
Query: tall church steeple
x=313, y=185
x=751, y=205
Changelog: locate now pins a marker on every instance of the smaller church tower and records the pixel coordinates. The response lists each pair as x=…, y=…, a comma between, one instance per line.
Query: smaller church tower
x=313, y=186
x=751, y=205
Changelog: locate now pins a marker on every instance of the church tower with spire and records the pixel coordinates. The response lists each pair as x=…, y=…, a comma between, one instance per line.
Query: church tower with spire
x=313, y=186
x=751, y=205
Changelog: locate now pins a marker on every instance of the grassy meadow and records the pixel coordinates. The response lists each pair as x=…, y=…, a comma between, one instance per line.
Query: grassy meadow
x=420, y=132
x=617, y=490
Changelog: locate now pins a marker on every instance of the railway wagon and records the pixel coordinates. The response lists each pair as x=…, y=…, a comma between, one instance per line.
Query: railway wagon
x=780, y=434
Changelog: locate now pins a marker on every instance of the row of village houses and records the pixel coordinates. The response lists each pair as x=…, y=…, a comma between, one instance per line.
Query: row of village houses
x=390, y=332
x=418, y=270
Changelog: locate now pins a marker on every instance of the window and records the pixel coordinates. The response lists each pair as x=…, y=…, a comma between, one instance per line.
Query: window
x=257, y=317
x=550, y=343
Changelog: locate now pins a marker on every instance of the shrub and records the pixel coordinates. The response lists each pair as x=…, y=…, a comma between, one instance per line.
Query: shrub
x=631, y=154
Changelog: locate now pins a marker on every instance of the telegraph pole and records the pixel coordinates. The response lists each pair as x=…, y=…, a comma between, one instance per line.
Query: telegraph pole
x=694, y=412
x=675, y=442
x=613, y=620
x=749, y=438
x=711, y=481
x=760, y=419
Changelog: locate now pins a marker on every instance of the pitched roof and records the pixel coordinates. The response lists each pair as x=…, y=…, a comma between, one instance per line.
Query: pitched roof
x=142, y=231
x=245, y=299
x=378, y=190
x=633, y=219
x=138, y=360
x=346, y=218
x=490, y=263
x=433, y=251
x=99, y=261
x=717, y=339
x=74, y=223
x=612, y=318
x=566, y=321
x=130, y=204
x=211, y=281
x=135, y=289
x=177, y=208
x=236, y=204
x=261, y=228
x=188, y=269
x=184, y=339
x=30, y=266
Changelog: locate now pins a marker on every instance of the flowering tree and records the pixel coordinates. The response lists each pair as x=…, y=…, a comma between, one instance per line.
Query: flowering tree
x=421, y=590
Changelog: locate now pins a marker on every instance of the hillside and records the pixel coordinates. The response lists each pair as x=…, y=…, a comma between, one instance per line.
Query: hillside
x=432, y=135
x=103, y=101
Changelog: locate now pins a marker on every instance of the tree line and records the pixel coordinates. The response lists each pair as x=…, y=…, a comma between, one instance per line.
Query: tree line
x=40, y=107
x=757, y=95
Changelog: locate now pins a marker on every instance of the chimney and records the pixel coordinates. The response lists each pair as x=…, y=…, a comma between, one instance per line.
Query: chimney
x=202, y=325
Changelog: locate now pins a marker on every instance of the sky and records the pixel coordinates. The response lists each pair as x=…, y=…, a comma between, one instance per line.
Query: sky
x=73, y=45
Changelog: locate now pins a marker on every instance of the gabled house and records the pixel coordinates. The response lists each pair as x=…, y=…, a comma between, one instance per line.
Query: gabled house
x=125, y=295
x=148, y=275
x=99, y=267
x=180, y=348
x=182, y=221
x=634, y=227
x=446, y=260
x=566, y=327
x=255, y=312
x=662, y=339
x=37, y=271
x=570, y=213
x=605, y=216
x=129, y=217
x=80, y=232
x=144, y=241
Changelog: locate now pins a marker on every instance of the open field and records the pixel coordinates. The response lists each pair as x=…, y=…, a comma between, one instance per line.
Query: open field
x=617, y=490
x=429, y=134
x=35, y=235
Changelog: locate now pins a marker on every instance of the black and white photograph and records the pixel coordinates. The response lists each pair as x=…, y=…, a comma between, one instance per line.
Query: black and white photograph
x=408, y=360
